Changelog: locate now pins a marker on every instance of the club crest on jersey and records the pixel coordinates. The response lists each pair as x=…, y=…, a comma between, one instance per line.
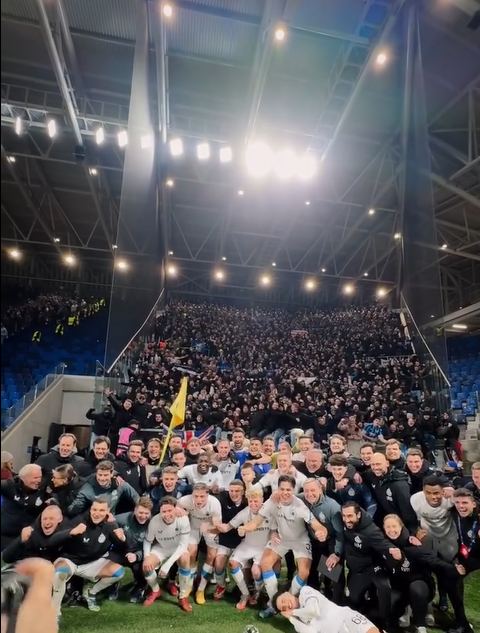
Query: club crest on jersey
x=322, y=518
x=38, y=501
x=389, y=494
x=357, y=542
x=115, y=493
x=102, y=538
x=351, y=492
x=405, y=566
x=470, y=534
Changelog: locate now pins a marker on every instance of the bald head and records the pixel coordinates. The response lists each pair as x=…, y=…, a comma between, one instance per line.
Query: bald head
x=379, y=464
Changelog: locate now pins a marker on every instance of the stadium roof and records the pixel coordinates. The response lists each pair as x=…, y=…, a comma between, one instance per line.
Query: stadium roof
x=229, y=80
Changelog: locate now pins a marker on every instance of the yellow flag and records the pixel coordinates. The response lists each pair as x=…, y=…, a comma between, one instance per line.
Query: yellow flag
x=177, y=411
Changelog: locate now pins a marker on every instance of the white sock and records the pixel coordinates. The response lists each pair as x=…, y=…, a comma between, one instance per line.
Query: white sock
x=271, y=584
x=239, y=579
x=220, y=578
x=102, y=584
x=297, y=584
x=206, y=572
x=184, y=582
x=59, y=588
x=258, y=584
x=152, y=581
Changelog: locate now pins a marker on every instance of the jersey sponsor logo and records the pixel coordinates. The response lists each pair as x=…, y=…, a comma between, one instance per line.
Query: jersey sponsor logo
x=405, y=566
x=17, y=498
x=86, y=540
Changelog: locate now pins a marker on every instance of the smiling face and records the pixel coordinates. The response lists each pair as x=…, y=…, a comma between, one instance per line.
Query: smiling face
x=286, y=491
x=465, y=506
x=392, y=528
x=312, y=491
x=287, y=602
x=203, y=464
x=50, y=520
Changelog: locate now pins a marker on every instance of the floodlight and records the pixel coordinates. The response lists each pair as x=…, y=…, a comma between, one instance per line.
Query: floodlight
x=381, y=59
x=365, y=274
x=203, y=151
x=259, y=159
x=92, y=171
x=310, y=284
x=308, y=203
x=444, y=246
x=381, y=292
x=265, y=280
x=100, y=135
x=397, y=236
x=69, y=260
x=348, y=289
x=176, y=147
x=240, y=192
x=169, y=182
x=167, y=10
x=459, y=326
x=18, y=125
x=122, y=138
x=170, y=252
x=371, y=212
x=280, y=34
x=146, y=141
x=219, y=275
x=324, y=270
x=274, y=264
x=226, y=155
x=306, y=166
x=172, y=270
x=114, y=246
x=224, y=259
x=11, y=159
x=285, y=164
x=56, y=240
x=15, y=253
x=52, y=128
x=122, y=264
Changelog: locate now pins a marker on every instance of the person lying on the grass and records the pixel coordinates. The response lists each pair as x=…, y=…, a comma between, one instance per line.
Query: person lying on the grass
x=312, y=612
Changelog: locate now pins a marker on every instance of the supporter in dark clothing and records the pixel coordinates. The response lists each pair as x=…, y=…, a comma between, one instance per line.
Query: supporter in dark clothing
x=343, y=489
x=141, y=410
x=24, y=498
x=64, y=486
x=99, y=453
x=367, y=554
x=123, y=411
x=393, y=452
x=128, y=467
x=314, y=465
x=41, y=540
x=391, y=491
x=101, y=421
x=64, y=453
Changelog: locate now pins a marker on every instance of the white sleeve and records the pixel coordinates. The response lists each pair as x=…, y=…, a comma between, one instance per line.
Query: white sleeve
x=266, y=511
x=264, y=482
x=218, y=480
x=147, y=543
x=301, y=627
x=181, y=548
x=216, y=508
x=238, y=519
x=186, y=473
x=310, y=611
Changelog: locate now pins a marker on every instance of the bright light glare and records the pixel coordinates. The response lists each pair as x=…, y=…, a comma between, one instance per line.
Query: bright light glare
x=176, y=147
x=122, y=264
x=100, y=135
x=371, y=212
x=219, y=274
x=381, y=292
x=241, y=192
x=308, y=203
x=324, y=270
x=114, y=246
x=224, y=259
x=397, y=236
x=365, y=274
x=280, y=34
x=93, y=171
x=348, y=290
x=226, y=155
x=381, y=59
x=167, y=10
x=18, y=125
x=122, y=138
x=444, y=246
x=56, y=240
x=146, y=141
x=274, y=264
x=285, y=164
x=169, y=182
x=11, y=159
x=69, y=259
x=52, y=128
x=170, y=252
x=172, y=270
x=203, y=151
x=259, y=159
x=306, y=167
x=15, y=253
x=310, y=285
x=265, y=280
x=459, y=326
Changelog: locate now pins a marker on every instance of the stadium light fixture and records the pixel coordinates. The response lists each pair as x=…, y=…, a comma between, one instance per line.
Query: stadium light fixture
x=122, y=138
x=15, y=253
x=114, y=246
x=280, y=34
x=348, y=289
x=172, y=270
x=310, y=284
x=324, y=270
x=52, y=128
x=176, y=147
x=69, y=260
x=371, y=212
x=56, y=240
x=365, y=274
x=274, y=264
x=11, y=159
x=224, y=259
x=18, y=125
x=285, y=164
x=459, y=326
x=169, y=182
x=241, y=192
x=306, y=167
x=444, y=246
x=397, y=236
x=203, y=151
x=308, y=203
x=122, y=264
x=259, y=159
x=100, y=136
x=381, y=292
x=167, y=10
x=93, y=171
x=226, y=155
x=219, y=275
x=265, y=280
x=170, y=252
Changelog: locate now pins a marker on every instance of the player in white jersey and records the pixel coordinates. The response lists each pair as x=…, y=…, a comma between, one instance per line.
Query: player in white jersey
x=251, y=548
x=284, y=467
x=291, y=517
x=166, y=543
x=227, y=466
x=202, y=472
x=203, y=510
x=312, y=612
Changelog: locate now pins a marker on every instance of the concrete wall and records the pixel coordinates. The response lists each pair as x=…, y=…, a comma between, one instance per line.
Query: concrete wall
x=65, y=402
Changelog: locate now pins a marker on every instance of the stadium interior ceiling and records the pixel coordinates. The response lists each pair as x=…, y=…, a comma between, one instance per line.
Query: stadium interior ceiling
x=226, y=76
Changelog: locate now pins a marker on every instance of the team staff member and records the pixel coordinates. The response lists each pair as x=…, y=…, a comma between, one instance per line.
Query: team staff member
x=367, y=551
x=84, y=554
x=467, y=520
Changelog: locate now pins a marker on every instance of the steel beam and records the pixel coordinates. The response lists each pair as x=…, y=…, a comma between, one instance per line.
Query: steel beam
x=439, y=180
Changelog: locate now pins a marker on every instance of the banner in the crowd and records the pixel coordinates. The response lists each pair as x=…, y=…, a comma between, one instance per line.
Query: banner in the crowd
x=299, y=333
x=188, y=435
x=307, y=380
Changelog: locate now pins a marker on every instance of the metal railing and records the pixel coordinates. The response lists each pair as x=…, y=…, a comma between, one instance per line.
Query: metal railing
x=13, y=413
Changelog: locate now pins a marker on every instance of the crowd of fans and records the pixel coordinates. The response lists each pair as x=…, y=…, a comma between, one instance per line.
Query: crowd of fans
x=262, y=470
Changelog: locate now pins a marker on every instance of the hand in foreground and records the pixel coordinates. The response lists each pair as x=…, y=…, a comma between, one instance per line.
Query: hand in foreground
x=37, y=612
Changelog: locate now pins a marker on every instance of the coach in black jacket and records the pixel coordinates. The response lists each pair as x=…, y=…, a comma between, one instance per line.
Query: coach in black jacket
x=127, y=466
